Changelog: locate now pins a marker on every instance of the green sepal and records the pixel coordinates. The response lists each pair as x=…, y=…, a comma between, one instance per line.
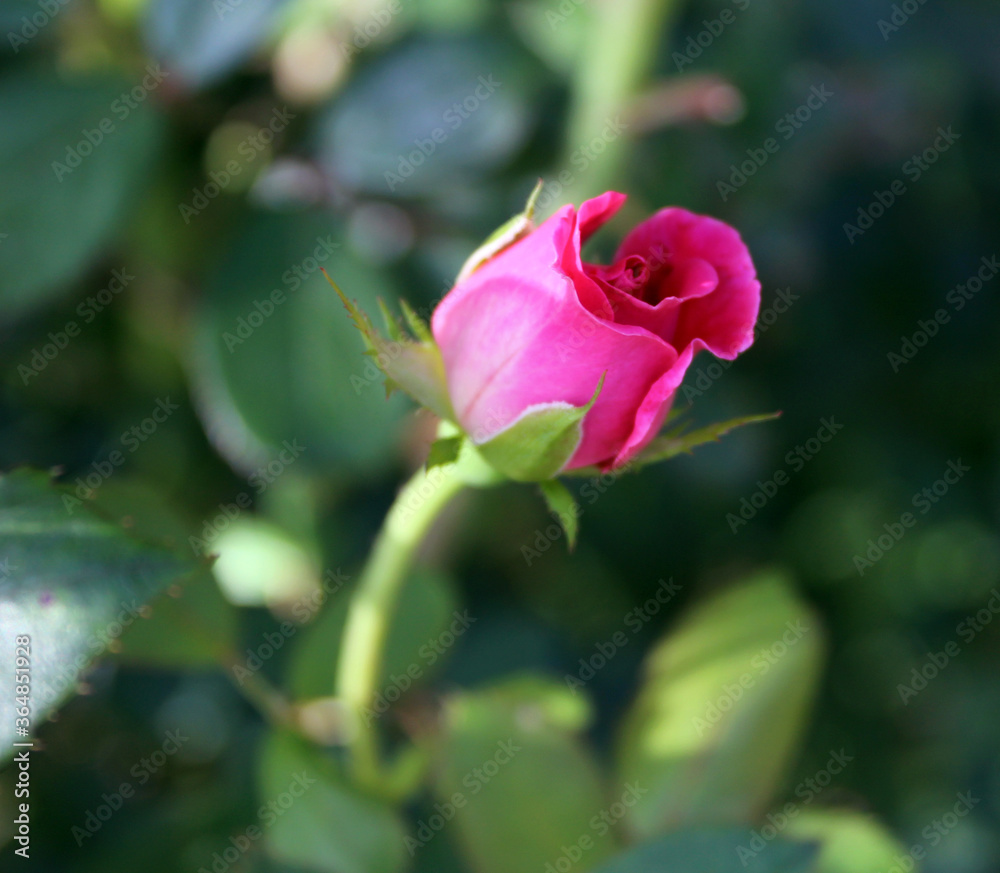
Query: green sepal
x=391, y=323
x=562, y=504
x=539, y=443
x=419, y=327
x=413, y=365
x=506, y=235
x=680, y=441
x=444, y=450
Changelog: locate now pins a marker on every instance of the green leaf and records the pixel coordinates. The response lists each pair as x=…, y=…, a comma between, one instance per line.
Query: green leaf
x=319, y=821
x=525, y=786
x=718, y=718
x=677, y=442
x=563, y=505
x=444, y=450
x=422, y=143
x=204, y=41
x=539, y=443
x=415, y=367
x=426, y=610
x=850, y=842
x=192, y=625
x=64, y=198
x=713, y=851
x=557, y=35
x=71, y=582
x=268, y=373
x=506, y=235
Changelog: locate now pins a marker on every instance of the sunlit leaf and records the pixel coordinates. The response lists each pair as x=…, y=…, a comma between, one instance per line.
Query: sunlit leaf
x=850, y=842
x=722, y=707
x=523, y=785
x=71, y=582
x=313, y=818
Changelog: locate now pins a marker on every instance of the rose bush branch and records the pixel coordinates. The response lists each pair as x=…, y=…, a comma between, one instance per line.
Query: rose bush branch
x=541, y=365
x=359, y=668
x=613, y=66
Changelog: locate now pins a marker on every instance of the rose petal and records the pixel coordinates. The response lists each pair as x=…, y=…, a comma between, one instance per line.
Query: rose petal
x=517, y=333
x=723, y=319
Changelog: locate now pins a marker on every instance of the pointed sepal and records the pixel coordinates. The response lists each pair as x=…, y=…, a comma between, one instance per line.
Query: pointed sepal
x=562, y=504
x=540, y=442
x=680, y=441
x=506, y=235
x=413, y=365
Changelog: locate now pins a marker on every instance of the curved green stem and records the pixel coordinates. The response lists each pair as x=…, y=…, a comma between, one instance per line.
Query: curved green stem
x=617, y=60
x=359, y=668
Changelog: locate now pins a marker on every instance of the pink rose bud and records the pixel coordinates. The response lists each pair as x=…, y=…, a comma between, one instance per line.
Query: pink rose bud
x=553, y=364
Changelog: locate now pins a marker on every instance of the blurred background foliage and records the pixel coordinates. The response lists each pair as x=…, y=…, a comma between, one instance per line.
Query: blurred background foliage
x=172, y=175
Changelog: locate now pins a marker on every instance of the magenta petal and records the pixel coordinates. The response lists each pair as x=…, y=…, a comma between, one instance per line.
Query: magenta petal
x=517, y=333
x=723, y=319
x=596, y=211
x=654, y=408
x=689, y=279
x=535, y=326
